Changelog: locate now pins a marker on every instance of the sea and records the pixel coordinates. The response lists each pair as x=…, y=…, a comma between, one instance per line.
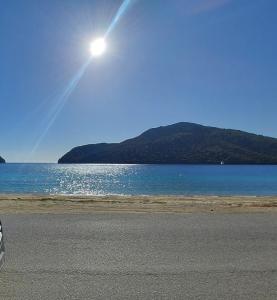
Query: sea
x=110, y=179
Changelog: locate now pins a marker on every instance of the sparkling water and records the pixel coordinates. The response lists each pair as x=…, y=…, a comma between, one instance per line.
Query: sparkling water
x=107, y=179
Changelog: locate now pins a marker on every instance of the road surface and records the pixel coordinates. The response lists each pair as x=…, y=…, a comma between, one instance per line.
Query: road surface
x=139, y=256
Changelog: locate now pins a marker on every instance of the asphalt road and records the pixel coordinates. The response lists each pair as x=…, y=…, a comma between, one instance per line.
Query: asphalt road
x=140, y=256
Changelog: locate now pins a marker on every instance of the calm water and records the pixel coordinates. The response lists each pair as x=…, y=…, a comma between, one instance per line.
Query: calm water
x=138, y=179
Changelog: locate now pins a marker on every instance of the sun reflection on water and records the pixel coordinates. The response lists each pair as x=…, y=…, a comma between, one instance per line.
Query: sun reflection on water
x=90, y=179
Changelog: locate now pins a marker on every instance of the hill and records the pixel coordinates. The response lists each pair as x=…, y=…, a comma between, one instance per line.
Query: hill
x=181, y=143
x=2, y=160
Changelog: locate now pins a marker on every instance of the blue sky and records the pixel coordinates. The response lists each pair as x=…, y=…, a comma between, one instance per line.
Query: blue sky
x=205, y=61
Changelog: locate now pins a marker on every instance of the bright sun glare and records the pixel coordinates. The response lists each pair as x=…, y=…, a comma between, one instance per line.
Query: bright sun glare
x=98, y=47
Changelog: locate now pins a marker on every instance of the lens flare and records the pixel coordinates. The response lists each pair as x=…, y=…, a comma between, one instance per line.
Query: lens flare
x=60, y=103
x=97, y=48
x=120, y=13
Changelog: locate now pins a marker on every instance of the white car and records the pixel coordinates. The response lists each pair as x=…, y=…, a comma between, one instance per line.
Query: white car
x=2, y=247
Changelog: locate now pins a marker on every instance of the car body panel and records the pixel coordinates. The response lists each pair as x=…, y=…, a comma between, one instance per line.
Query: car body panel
x=2, y=246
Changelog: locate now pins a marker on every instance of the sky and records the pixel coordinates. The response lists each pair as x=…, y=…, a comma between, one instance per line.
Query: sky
x=211, y=62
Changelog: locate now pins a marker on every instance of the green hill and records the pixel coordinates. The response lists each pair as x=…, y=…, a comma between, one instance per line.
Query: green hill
x=181, y=143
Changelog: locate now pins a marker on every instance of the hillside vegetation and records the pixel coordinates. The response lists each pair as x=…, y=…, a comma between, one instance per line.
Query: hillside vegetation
x=181, y=143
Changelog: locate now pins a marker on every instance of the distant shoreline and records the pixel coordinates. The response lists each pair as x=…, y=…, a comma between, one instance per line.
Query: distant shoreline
x=21, y=203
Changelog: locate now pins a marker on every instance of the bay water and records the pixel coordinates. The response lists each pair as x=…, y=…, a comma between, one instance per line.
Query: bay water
x=109, y=179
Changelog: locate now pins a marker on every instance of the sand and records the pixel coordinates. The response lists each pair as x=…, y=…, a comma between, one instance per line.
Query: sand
x=173, y=204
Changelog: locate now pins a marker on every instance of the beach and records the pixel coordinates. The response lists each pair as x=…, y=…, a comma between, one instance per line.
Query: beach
x=19, y=203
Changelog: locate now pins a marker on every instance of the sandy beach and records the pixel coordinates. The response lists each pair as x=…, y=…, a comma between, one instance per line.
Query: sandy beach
x=174, y=204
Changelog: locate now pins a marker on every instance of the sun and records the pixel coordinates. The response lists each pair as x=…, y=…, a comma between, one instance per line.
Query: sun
x=98, y=47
